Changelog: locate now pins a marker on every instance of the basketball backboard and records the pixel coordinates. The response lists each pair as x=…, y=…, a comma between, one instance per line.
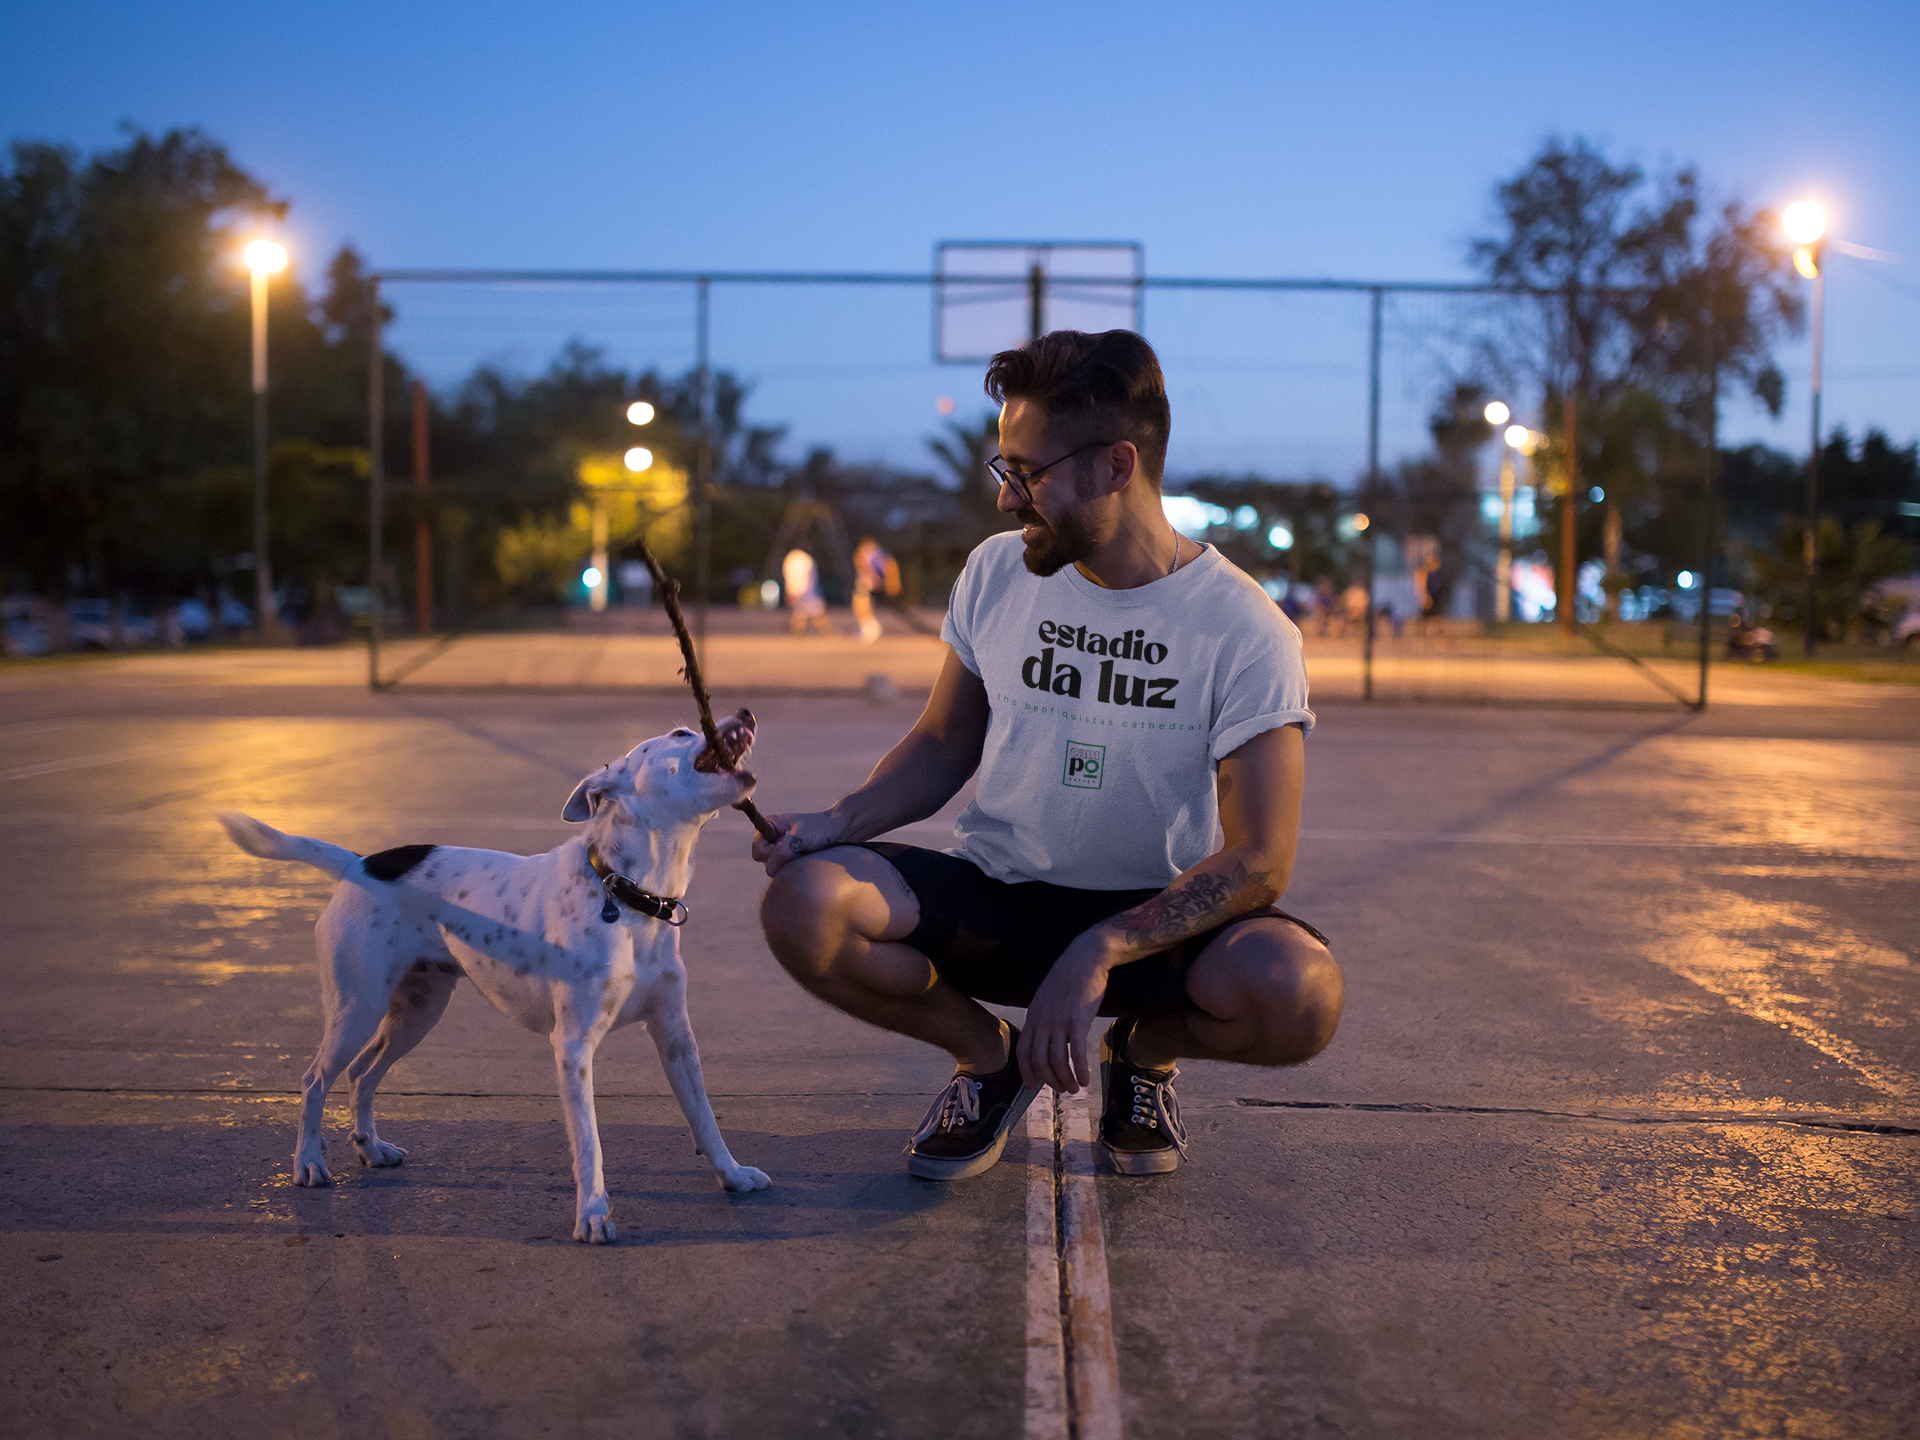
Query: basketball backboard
x=990, y=295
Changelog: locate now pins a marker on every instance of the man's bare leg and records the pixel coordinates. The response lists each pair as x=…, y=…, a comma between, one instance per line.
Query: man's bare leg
x=1270, y=995
x=835, y=918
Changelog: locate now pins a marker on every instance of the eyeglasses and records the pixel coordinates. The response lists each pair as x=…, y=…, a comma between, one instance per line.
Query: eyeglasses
x=1022, y=484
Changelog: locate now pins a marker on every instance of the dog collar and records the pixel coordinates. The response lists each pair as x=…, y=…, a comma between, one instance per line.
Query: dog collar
x=619, y=887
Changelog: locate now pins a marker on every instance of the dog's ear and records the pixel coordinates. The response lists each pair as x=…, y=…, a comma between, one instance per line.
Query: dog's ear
x=586, y=795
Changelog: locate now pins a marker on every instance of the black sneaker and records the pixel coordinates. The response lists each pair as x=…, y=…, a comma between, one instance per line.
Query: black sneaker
x=966, y=1128
x=1140, y=1129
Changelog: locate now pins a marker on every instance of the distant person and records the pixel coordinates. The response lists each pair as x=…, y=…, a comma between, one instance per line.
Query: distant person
x=1326, y=603
x=1122, y=694
x=800, y=577
x=1353, y=608
x=873, y=569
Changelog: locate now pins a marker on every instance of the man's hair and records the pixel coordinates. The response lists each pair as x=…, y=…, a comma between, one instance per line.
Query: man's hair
x=1105, y=386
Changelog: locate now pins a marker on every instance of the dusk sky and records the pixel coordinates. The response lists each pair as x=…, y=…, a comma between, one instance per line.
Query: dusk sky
x=1355, y=141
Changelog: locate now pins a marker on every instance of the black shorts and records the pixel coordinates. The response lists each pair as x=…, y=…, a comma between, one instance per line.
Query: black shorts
x=996, y=940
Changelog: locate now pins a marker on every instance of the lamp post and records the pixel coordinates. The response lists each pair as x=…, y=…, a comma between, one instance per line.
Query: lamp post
x=637, y=459
x=1805, y=223
x=1497, y=415
x=264, y=259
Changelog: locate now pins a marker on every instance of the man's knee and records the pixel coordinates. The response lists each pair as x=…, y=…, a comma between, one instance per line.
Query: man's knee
x=1309, y=992
x=1288, y=981
x=803, y=916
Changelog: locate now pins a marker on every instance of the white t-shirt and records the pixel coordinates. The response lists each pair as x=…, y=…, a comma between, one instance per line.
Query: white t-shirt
x=1111, y=712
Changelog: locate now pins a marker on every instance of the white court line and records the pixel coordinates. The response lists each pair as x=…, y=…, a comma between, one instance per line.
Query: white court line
x=1073, y=1371
x=1046, y=1347
x=184, y=819
x=1484, y=837
x=1093, y=1366
x=105, y=757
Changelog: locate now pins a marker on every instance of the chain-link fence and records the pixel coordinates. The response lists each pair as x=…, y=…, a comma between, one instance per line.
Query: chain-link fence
x=1331, y=437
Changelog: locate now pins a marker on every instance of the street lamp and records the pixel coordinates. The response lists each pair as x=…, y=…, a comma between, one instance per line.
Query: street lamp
x=264, y=258
x=1513, y=438
x=1805, y=224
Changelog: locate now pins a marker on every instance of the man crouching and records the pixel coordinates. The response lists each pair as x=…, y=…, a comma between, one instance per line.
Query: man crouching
x=1119, y=688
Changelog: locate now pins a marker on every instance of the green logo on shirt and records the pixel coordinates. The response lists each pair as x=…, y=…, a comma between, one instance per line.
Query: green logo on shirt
x=1084, y=764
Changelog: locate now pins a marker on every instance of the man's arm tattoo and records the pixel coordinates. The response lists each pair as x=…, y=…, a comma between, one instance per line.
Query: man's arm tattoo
x=1201, y=903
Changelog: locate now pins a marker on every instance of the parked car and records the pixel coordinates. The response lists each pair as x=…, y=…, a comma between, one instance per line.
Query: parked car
x=196, y=620
x=90, y=626
x=1898, y=598
x=26, y=627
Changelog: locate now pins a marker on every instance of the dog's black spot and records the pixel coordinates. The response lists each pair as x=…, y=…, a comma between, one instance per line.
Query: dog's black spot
x=390, y=865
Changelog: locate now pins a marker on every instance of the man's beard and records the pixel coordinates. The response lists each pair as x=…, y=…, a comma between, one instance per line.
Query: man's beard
x=1061, y=542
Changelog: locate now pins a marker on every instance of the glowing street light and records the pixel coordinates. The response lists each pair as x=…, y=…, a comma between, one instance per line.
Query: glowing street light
x=637, y=459
x=1806, y=224
x=265, y=259
x=640, y=412
x=1514, y=437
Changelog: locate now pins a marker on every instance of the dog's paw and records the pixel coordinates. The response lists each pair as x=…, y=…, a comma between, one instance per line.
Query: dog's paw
x=742, y=1178
x=311, y=1170
x=379, y=1153
x=596, y=1230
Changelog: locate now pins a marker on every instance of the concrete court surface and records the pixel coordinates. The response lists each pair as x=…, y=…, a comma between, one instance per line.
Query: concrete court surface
x=1617, y=1138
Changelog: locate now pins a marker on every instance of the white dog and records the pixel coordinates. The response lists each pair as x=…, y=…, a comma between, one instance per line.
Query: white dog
x=572, y=944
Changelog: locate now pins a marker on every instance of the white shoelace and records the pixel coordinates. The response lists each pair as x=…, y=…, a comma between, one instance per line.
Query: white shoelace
x=1156, y=1107
x=953, y=1107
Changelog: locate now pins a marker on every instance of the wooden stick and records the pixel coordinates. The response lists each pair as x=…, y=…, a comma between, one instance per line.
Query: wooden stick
x=670, y=597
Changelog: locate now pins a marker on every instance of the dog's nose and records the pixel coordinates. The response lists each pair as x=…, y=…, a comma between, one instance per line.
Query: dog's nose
x=745, y=717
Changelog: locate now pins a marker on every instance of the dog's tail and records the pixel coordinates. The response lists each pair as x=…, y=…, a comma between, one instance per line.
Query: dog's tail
x=257, y=838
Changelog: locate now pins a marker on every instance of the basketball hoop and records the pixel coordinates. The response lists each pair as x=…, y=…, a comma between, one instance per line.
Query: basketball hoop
x=991, y=295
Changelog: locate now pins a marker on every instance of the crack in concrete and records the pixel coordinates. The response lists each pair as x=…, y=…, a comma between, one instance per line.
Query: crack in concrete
x=1611, y=1117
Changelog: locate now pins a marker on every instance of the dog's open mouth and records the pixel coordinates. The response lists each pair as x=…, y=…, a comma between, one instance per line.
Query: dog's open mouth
x=736, y=738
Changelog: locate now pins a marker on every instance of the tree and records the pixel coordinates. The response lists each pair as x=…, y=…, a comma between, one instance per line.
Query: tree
x=125, y=353
x=1850, y=561
x=1566, y=218
x=965, y=449
x=1642, y=313
x=124, y=399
